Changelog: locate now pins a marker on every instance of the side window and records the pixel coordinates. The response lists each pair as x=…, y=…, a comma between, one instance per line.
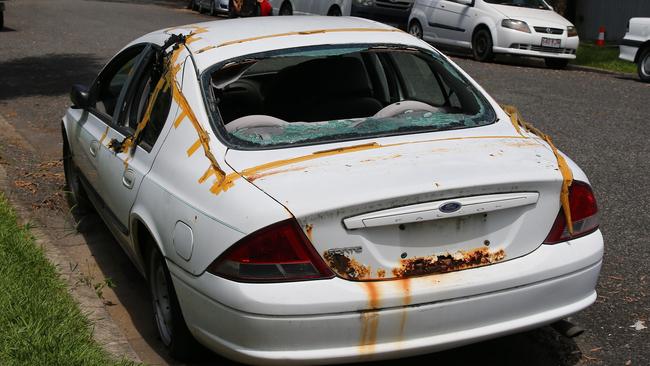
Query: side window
x=419, y=80
x=112, y=81
x=139, y=107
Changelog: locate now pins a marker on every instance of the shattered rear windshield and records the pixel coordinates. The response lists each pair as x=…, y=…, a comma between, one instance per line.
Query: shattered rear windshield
x=332, y=93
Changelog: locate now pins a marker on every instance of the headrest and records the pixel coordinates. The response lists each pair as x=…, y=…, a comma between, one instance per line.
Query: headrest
x=323, y=76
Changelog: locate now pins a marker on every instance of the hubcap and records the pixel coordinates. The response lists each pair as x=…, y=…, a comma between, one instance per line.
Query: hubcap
x=645, y=65
x=162, y=304
x=416, y=31
x=481, y=45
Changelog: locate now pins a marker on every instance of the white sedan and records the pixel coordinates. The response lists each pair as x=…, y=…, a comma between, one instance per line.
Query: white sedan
x=487, y=27
x=325, y=190
x=635, y=47
x=311, y=7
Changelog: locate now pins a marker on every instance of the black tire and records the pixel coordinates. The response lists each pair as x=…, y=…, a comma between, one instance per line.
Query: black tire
x=286, y=8
x=482, y=45
x=213, y=11
x=415, y=29
x=556, y=63
x=76, y=196
x=195, y=6
x=231, y=10
x=190, y=4
x=643, y=65
x=2, y=20
x=167, y=312
x=334, y=11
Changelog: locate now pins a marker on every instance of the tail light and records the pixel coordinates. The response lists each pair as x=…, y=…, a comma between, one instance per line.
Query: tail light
x=277, y=253
x=584, y=214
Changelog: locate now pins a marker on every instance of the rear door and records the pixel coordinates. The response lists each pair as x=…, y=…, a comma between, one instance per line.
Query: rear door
x=122, y=172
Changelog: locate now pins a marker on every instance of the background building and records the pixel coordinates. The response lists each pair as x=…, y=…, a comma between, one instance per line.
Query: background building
x=589, y=15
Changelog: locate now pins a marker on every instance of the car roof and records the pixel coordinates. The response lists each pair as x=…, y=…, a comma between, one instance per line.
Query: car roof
x=221, y=40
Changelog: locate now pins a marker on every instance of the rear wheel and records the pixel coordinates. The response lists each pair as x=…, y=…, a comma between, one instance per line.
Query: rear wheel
x=75, y=193
x=415, y=29
x=231, y=10
x=167, y=312
x=482, y=45
x=643, y=66
x=286, y=8
x=334, y=11
x=213, y=11
x=556, y=63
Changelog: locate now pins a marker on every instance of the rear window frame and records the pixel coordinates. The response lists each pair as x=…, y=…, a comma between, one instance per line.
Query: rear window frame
x=218, y=127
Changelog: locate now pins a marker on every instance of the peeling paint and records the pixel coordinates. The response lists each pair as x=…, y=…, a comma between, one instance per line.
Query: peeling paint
x=351, y=269
x=309, y=230
x=346, y=267
x=420, y=266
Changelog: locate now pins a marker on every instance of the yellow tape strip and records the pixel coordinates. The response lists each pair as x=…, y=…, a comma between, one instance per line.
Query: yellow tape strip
x=195, y=146
x=567, y=174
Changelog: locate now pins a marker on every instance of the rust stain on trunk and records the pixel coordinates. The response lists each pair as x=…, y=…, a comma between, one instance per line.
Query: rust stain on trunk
x=346, y=267
x=309, y=230
x=370, y=319
x=444, y=263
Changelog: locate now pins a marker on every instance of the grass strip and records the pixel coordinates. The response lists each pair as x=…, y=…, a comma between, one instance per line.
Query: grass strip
x=40, y=324
x=605, y=58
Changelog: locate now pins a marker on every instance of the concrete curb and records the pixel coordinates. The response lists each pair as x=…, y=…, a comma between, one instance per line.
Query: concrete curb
x=105, y=331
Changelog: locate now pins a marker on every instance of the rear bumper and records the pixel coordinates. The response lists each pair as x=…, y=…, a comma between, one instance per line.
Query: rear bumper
x=321, y=322
x=630, y=48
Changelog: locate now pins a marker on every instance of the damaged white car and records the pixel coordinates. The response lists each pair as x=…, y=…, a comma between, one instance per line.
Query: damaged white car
x=324, y=190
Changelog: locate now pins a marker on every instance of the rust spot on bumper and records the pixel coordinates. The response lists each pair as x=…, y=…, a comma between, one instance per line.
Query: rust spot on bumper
x=444, y=263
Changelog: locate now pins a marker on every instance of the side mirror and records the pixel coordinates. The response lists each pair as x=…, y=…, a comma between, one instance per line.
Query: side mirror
x=466, y=2
x=80, y=96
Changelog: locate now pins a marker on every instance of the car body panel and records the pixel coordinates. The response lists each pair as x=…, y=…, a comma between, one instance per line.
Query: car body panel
x=637, y=36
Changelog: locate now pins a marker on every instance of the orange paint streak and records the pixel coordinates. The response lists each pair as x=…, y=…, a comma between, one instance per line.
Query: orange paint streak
x=370, y=319
x=405, y=285
x=567, y=174
x=256, y=170
x=309, y=229
x=304, y=33
x=274, y=172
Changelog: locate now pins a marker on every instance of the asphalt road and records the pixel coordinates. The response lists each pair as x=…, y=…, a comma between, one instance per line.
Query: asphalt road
x=598, y=120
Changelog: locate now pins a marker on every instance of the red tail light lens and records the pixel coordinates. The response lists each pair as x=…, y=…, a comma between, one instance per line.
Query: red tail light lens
x=277, y=253
x=584, y=214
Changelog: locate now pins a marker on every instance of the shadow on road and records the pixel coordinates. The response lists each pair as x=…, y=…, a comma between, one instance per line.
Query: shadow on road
x=47, y=75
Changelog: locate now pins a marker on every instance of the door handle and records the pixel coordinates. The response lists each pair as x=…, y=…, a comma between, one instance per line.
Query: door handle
x=94, y=147
x=128, y=178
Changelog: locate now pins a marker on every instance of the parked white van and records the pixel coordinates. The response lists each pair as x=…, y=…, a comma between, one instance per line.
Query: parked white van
x=487, y=27
x=311, y=7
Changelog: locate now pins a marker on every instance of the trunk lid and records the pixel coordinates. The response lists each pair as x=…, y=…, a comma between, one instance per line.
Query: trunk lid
x=402, y=207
